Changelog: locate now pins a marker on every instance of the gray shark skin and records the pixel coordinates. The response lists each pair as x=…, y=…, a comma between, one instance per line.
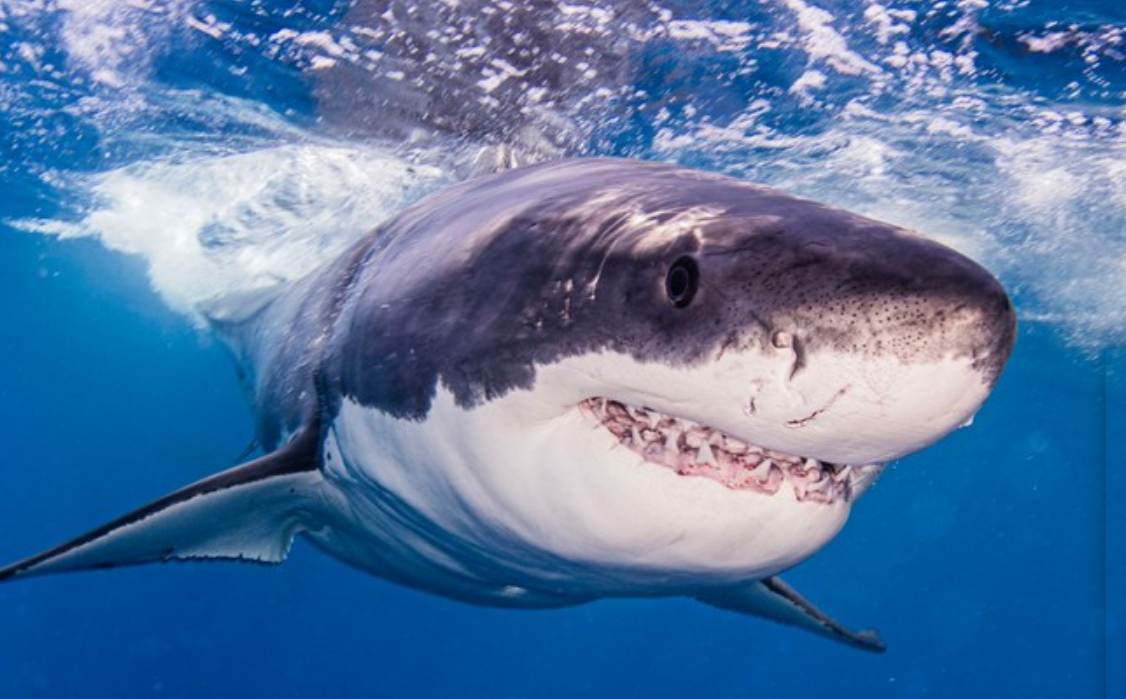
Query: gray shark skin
x=583, y=379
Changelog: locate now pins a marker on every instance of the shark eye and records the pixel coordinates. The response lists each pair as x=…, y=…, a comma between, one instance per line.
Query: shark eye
x=681, y=281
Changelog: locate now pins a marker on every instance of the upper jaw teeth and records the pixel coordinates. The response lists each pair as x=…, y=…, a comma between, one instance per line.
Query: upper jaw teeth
x=705, y=455
x=693, y=449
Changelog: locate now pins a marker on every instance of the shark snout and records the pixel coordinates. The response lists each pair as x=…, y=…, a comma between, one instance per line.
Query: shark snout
x=988, y=327
x=963, y=313
x=902, y=295
x=890, y=344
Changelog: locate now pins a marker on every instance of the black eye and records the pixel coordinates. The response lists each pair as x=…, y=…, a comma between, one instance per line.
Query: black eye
x=682, y=281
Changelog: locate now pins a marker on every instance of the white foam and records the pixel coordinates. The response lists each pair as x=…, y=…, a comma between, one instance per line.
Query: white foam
x=110, y=40
x=810, y=81
x=885, y=21
x=220, y=225
x=825, y=44
x=727, y=36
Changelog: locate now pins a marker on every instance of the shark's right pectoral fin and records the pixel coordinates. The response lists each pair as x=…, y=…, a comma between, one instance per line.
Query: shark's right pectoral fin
x=251, y=513
x=773, y=599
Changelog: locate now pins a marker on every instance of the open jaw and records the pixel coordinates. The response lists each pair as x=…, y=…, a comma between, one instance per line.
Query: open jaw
x=692, y=449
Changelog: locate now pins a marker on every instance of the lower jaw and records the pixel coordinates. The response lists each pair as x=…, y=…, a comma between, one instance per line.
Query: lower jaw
x=694, y=450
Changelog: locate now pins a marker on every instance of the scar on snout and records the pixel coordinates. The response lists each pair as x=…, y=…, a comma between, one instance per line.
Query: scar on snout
x=751, y=407
x=802, y=422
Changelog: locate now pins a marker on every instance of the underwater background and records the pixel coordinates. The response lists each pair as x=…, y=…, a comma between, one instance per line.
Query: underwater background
x=155, y=155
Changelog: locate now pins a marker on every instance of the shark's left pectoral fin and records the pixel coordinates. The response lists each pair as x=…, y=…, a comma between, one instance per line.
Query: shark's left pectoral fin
x=251, y=512
x=773, y=599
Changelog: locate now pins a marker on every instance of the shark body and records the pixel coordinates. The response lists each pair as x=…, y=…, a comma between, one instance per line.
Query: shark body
x=585, y=379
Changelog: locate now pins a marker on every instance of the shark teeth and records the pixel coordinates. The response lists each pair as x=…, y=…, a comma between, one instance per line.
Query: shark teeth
x=705, y=455
x=691, y=449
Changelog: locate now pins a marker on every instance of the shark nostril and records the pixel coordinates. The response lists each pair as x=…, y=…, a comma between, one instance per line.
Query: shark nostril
x=787, y=341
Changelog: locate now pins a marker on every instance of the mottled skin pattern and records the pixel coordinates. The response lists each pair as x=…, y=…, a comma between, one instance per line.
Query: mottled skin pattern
x=484, y=282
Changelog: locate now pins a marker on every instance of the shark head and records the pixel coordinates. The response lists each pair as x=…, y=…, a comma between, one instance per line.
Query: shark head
x=644, y=379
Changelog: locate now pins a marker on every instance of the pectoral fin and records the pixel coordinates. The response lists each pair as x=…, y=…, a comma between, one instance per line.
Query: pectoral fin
x=250, y=512
x=773, y=599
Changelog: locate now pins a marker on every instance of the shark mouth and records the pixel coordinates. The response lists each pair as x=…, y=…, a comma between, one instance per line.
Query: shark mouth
x=691, y=449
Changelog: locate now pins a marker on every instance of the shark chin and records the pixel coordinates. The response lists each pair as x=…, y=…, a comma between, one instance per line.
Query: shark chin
x=583, y=379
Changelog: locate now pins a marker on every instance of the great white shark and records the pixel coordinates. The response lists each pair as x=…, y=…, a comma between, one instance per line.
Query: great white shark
x=584, y=379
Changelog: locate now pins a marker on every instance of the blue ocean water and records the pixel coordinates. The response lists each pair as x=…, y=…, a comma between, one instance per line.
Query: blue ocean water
x=155, y=154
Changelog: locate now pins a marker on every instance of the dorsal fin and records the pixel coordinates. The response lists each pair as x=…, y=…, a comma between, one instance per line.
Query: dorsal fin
x=773, y=599
x=251, y=513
